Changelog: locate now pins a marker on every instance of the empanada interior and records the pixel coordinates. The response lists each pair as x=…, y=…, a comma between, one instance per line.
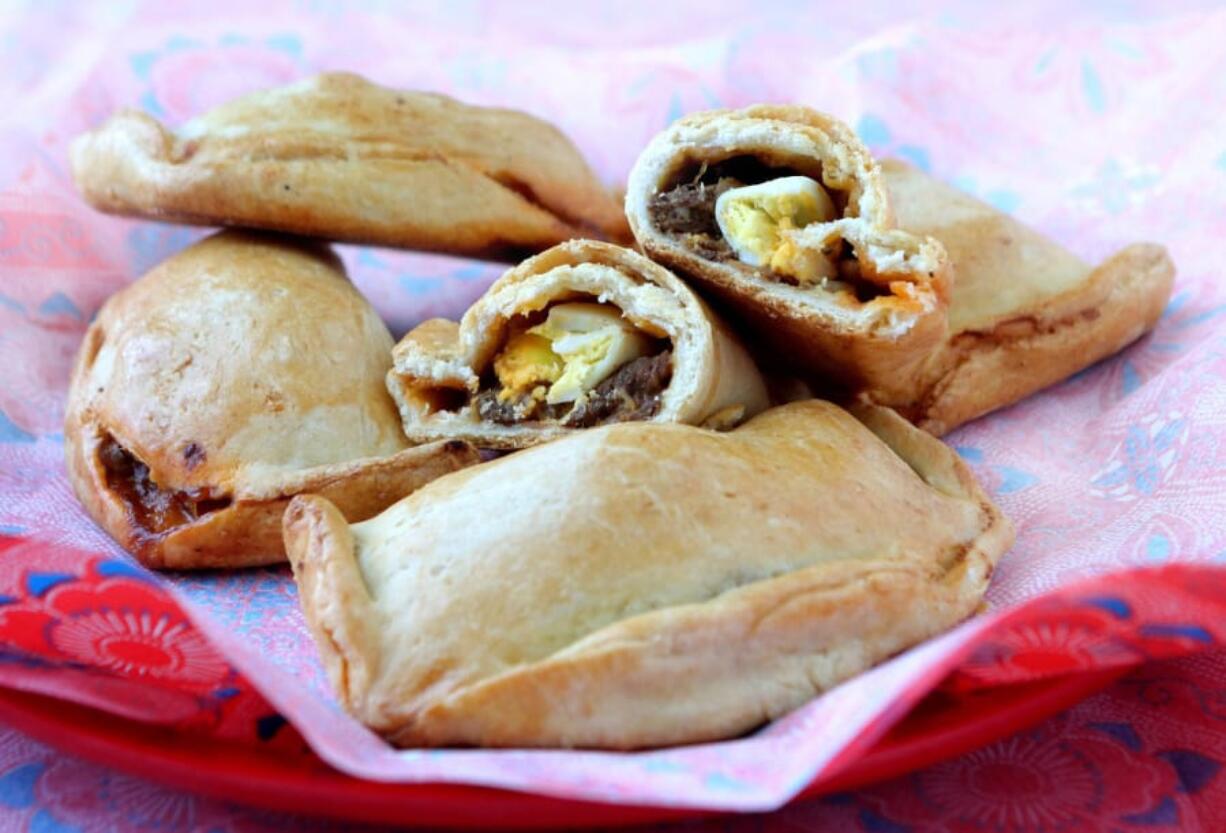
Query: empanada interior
x=684, y=209
x=152, y=509
x=619, y=371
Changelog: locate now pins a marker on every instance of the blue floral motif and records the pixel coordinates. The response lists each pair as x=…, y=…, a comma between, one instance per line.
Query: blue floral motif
x=39, y=583
x=471, y=273
x=1148, y=450
x=149, y=244
x=1164, y=813
x=123, y=568
x=971, y=455
x=1003, y=199
x=874, y=823
x=1115, y=185
x=266, y=727
x=1116, y=607
x=1165, y=631
x=44, y=822
x=60, y=304
x=875, y=133
x=723, y=781
x=17, y=786
x=1193, y=769
x=12, y=656
x=880, y=65
x=1011, y=479
x=1014, y=480
x=11, y=433
x=873, y=130
x=1092, y=85
x=1200, y=317
x=916, y=155
x=1123, y=732
x=1131, y=380
x=1178, y=301
x=415, y=285
x=1157, y=548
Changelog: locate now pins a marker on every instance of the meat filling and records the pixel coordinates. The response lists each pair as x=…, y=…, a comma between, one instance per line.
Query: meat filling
x=153, y=508
x=631, y=393
x=492, y=407
x=687, y=211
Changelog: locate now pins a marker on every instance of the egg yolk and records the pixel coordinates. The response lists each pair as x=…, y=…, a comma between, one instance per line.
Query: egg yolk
x=754, y=219
x=577, y=347
x=527, y=362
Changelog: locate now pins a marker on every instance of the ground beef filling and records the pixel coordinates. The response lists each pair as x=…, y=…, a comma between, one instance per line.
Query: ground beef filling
x=153, y=508
x=631, y=394
x=687, y=212
x=491, y=408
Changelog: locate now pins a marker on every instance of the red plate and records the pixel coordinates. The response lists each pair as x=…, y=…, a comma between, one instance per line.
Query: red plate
x=939, y=728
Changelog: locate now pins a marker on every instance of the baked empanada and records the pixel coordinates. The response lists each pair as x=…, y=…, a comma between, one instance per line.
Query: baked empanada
x=781, y=214
x=584, y=334
x=238, y=373
x=1024, y=312
x=336, y=156
x=642, y=585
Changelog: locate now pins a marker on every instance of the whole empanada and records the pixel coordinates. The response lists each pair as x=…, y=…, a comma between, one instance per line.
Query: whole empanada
x=643, y=584
x=584, y=334
x=238, y=373
x=336, y=156
x=816, y=270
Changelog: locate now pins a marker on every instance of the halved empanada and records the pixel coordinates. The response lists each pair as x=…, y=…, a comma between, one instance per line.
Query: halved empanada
x=584, y=334
x=781, y=214
x=338, y=157
x=238, y=373
x=1024, y=312
x=641, y=584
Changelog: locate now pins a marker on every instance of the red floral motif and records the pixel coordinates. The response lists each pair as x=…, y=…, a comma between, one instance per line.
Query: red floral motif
x=22, y=628
x=120, y=625
x=1129, y=618
x=1019, y=784
x=139, y=643
x=1062, y=777
x=1044, y=642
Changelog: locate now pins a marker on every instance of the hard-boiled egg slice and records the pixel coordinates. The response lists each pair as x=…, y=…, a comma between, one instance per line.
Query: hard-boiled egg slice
x=753, y=218
x=593, y=340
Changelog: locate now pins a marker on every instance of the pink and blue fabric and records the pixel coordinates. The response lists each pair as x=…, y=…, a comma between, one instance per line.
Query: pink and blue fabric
x=1100, y=125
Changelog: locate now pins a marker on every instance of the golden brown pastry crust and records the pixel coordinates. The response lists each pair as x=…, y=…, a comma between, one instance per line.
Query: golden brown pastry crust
x=1024, y=312
x=714, y=380
x=873, y=344
x=336, y=156
x=245, y=369
x=641, y=584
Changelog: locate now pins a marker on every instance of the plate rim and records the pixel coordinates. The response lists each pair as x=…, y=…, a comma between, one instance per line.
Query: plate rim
x=256, y=776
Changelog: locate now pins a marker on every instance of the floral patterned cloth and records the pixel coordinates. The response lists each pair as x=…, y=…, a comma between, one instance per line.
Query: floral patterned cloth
x=1145, y=755
x=1099, y=126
